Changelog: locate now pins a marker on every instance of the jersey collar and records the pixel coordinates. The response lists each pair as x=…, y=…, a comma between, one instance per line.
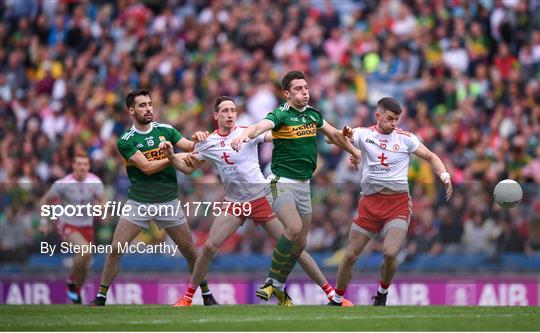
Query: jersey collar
x=290, y=107
x=225, y=135
x=141, y=132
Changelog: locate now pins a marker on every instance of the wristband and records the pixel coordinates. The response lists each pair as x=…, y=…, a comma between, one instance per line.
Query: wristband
x=444, y=176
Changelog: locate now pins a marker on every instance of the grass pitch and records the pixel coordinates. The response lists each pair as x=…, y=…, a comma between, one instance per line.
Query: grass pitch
x=266, y=318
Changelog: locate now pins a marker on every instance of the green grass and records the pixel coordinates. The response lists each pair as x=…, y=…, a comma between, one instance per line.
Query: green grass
x=266, y=318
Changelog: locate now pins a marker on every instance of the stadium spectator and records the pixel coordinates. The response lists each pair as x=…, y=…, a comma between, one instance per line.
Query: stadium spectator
x=64, y=67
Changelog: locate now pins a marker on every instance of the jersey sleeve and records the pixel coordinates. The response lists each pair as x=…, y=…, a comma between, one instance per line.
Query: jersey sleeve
x=55, y=189
x=413, y=143
x=274, y=118
x=174, y=135
x=259, y=138
x=126, y=148
x=200, y=148
x=358, y=135
x=318, y=118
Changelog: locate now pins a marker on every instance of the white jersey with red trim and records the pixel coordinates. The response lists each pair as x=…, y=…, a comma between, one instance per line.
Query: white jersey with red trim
x=385, y=158
x=77, y=193
x=239, y=171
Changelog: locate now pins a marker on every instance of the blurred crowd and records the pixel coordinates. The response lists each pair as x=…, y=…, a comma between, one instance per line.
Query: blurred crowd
x=466, y=72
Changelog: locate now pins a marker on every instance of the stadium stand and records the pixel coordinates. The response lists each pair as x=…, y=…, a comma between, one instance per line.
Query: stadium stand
x=467, y=72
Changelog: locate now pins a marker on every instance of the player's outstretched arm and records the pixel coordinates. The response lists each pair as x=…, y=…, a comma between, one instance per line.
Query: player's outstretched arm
x=146, y=166
x=251, y=132
x=437, y=166
x=189, y=145
x=185, y=162
x=339, y=139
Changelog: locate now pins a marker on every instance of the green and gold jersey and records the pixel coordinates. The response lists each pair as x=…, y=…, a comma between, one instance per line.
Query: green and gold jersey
x=161, y=186
x=295, y=141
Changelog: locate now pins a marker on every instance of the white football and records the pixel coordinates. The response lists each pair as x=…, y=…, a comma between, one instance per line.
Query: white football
x=508, y=193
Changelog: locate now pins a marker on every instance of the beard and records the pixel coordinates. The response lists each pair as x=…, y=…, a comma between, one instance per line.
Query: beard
x=144, y=119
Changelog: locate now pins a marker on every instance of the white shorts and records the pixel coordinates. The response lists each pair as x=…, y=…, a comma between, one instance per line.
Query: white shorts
x=164, y=214
x=284, y=191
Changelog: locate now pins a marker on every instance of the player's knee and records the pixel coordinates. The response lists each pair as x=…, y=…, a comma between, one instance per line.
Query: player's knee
x=115, y=253
x=350, y=257
x=390, y=254
x=299, y=247
x=211, y=248
x=293, y=232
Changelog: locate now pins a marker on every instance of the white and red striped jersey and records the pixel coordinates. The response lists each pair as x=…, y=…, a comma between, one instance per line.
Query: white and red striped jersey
x=73, y=192
x=239, y=171
x=385, y=158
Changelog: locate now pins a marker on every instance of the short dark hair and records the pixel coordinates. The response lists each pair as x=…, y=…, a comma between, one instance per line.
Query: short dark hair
x=390, y=104
x=220, y=100
x=289, y=77
x=130, y=98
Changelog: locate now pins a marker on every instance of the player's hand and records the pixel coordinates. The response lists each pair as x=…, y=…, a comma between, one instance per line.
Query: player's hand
x=191, y=160
x=355, y=161
x=347, y=132
x=200, y=136
x=449, y=189
x=167, y=148
x=237, y=142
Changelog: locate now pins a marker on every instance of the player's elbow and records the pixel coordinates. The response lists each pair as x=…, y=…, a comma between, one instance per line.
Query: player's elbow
x=188, y=171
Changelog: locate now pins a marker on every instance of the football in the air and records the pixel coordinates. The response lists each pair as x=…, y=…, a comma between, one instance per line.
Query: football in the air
x=508, y=193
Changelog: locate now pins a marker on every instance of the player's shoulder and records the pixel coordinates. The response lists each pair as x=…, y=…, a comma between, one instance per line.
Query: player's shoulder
x=400, y=131
x=163, y=128
x=282, y=110
x=92, y=178
x=209, y=142
x=313, y=109
x=161, y=125
x=360, y=130
x=66, y=179
x=127, y=134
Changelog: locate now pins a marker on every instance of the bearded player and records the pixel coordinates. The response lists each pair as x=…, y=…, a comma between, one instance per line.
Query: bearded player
x=152, y=182
x=385, y=205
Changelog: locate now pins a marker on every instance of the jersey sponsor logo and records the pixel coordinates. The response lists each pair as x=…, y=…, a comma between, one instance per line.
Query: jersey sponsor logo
x=383, y=158
x=379, y=169
x=395, y=147
x=225, y=158
x=154, y=154
x=295, y=132
x=229, y=169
